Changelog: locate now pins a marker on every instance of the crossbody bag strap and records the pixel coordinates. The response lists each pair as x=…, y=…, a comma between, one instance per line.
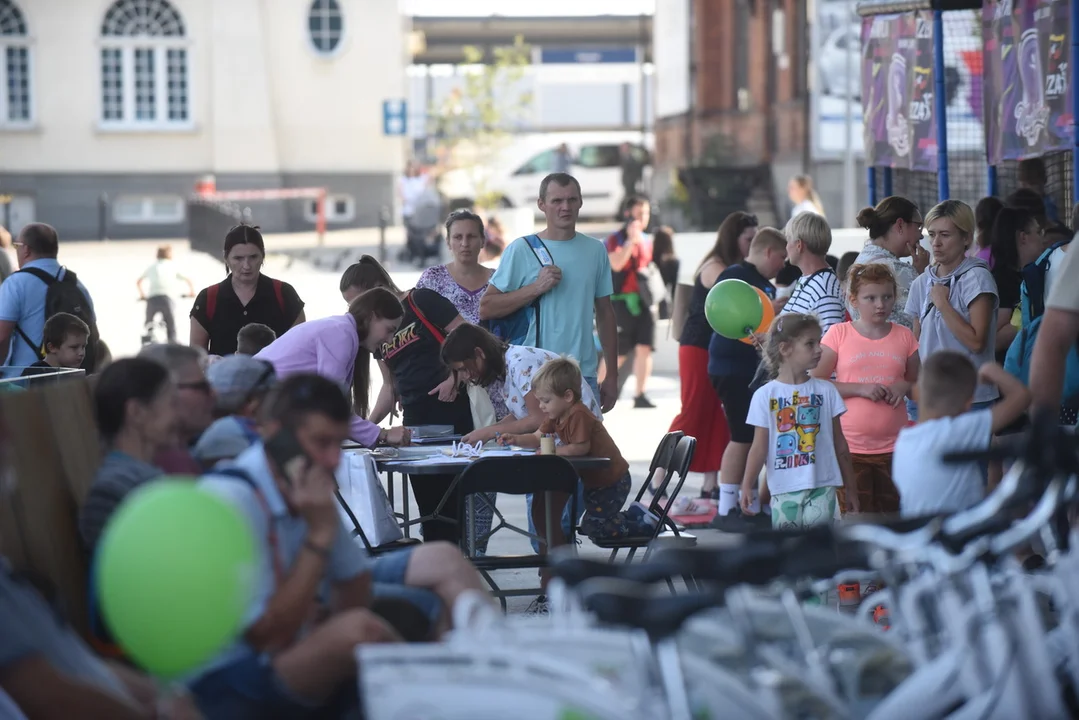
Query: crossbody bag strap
x=431, y=328
x=271, y=533
x=544, y=258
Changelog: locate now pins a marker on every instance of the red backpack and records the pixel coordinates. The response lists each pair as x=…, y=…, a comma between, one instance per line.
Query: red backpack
x=211, y=298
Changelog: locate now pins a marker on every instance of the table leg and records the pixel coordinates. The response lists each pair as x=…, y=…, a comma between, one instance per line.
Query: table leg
x=470, y=537
x=404, y=502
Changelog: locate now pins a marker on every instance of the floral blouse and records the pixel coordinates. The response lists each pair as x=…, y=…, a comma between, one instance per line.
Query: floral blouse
x=521, y=365
x=467, y=302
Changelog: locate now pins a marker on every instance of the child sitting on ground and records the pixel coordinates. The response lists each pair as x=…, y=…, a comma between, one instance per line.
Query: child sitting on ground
x=557, y=386
x=64, y=341
x=253, y=338
x=928, y=486
x=798, y=432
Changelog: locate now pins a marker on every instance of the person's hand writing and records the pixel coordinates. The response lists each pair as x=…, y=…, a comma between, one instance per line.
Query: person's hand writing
x=399, y=436
x=938, y=294
x=507, y=439
x=873, y=391
x=447, y=389
x=549, y=277
x=311, y=494
x=480, y=435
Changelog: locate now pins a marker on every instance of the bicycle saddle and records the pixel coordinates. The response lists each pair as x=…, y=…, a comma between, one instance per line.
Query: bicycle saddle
x=574, y=570
x=620, y=602
x=752, y=563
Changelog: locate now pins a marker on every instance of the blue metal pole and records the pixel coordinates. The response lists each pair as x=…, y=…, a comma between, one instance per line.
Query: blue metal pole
x=888, y=182
x=871, y=177
x=1075, y=99
x=940, y=106
x=991, y=177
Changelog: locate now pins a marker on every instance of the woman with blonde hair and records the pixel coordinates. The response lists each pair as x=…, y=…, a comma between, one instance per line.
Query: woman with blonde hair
x=805, y=198
x=954, y=302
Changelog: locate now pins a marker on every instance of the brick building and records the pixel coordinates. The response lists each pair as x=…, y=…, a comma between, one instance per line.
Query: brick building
x=733, y=92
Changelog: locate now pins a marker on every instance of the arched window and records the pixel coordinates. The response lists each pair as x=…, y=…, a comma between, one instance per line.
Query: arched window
x=15, y=97
x=144, y=72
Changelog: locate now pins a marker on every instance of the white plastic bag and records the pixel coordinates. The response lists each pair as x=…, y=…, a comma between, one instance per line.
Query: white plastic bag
x=362, y=491
x=483, y=412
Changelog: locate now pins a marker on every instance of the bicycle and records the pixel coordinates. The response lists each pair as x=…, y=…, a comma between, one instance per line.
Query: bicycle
x=968, y=640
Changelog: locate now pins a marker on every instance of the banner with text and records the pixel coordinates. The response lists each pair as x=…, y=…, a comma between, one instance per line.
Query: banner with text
x=897, y=68
x=1028, y=110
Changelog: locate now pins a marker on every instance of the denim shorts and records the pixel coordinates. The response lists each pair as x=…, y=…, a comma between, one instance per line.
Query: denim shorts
x=248, y=687
x=388, y=581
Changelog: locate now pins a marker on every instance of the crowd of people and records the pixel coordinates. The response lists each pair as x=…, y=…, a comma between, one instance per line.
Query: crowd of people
x=870, y=372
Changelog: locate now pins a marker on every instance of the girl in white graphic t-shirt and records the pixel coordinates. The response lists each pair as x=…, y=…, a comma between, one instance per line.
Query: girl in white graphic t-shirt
x=797, y=432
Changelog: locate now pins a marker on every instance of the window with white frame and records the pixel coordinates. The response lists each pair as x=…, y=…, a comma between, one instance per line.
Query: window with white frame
x=339, y=208
x=15, y=98
x=148, y=209
x=325, y=23
x=144, y=66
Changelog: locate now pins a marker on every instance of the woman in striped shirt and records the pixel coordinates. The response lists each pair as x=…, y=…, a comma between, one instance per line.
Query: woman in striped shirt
x=818, y=292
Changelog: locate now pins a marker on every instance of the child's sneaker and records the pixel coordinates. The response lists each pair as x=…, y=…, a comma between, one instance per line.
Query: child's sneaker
x=639, y=514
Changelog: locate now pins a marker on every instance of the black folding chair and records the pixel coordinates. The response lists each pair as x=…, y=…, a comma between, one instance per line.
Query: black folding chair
x=357, y=531
x=677, y=469
x=514, y=476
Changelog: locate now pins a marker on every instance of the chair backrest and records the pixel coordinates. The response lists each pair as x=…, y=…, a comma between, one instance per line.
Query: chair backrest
x=518, y=476
x=682, y=457
x=664, y=451
x=661, y=460
x=677, y=471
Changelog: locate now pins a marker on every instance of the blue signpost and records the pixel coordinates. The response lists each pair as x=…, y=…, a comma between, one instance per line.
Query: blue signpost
x=394, y=117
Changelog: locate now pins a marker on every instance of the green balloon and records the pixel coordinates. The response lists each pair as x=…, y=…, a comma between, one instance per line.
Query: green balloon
x=174, y=575
x=733, y=308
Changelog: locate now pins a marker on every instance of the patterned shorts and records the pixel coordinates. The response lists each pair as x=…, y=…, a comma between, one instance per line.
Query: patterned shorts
x=603, y=516
x=805, y=508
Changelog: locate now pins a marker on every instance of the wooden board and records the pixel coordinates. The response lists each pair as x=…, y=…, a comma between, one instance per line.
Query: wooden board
x=52, y=454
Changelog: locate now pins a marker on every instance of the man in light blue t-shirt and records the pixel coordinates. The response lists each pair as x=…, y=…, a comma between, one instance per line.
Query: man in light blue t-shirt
x=22, y=295
x=574, y=289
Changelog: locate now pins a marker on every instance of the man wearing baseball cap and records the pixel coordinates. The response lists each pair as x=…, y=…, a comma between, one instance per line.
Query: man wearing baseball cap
x=240, y=383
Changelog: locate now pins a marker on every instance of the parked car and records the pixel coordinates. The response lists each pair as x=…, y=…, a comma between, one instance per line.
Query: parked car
x=514, y=174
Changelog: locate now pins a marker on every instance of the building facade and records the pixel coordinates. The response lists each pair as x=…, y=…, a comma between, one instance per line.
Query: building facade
x=112, y=110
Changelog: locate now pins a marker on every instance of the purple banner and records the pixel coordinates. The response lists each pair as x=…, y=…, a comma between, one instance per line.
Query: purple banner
x=897, y=81
x=1027, y=78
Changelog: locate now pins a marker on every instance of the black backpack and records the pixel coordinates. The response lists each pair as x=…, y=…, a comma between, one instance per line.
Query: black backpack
x=64, y=296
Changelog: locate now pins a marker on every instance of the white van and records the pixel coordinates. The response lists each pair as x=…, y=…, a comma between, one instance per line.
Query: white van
x=514, y=174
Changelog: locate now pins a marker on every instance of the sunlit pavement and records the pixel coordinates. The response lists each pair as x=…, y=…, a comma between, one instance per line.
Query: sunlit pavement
x=111, y=269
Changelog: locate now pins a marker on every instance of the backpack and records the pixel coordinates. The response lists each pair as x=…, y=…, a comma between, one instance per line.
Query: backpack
x=1017, y=362
x=211, y=298
x=516, y=328
x=63, y=295
x=1033, y=288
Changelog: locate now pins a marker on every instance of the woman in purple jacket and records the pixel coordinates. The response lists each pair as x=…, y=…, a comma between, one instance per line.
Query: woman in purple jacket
x=339, y=348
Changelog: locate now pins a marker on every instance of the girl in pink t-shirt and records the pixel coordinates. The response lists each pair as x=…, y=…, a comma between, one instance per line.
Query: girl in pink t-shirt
x=875, y=363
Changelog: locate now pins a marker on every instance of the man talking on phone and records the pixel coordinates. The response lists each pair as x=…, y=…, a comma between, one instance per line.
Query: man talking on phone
x=311, y=567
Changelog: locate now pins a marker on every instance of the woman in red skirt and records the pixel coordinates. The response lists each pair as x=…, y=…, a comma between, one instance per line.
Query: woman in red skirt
x=702, y=413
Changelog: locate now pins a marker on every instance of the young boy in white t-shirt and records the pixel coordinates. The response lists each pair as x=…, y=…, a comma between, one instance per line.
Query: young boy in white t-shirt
x=946, y=424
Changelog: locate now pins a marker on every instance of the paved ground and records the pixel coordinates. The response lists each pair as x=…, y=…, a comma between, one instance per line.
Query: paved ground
x=110, y=270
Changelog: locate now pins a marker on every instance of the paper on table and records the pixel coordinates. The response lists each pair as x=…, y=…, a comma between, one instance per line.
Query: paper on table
x=446, y=459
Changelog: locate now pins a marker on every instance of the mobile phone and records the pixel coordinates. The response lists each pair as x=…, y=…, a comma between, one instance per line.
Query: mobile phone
x=287, y=453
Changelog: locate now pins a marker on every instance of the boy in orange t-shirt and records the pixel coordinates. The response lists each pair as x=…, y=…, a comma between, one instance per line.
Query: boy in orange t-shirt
x=557, y=385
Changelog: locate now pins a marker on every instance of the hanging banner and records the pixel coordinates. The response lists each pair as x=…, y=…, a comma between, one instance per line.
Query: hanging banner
x=897, y=74
x=1028, y=111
